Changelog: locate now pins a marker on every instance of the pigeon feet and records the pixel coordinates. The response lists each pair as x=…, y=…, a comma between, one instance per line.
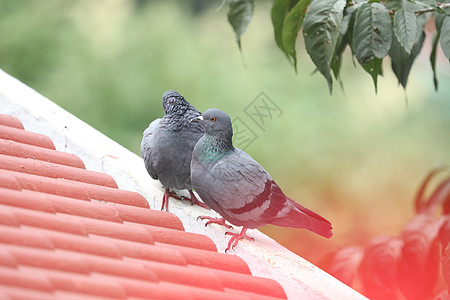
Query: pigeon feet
x=211, y=220
x=194, y=200
x=165, y=201
x=236, y=237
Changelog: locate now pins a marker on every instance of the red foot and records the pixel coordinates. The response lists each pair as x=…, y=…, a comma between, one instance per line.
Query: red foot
x=165, y=201
x=220, y=221
x=236, y=237
x=194, y=200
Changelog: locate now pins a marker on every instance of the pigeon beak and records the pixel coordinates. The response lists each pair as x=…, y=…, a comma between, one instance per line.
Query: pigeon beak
x=198, y=119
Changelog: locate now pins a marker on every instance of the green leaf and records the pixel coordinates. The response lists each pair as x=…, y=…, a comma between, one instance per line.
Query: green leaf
x=291, y=27
x=401, y=61
x=240, y=13
x=394, y=4
x=372, y=33
x=445, y=38
x=320, y=31
x=279, y=11
x=421, y=21
x=373, y=67
x=344, y=39
x=433, y=59
x=438, y=19
x=336, y=61
x=405, y=28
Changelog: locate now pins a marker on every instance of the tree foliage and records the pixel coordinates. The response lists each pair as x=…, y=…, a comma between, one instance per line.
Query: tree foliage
x=373, y=30
x=410, y=265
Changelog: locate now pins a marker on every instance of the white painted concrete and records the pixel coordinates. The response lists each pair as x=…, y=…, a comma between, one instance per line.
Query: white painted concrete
x=265, y=257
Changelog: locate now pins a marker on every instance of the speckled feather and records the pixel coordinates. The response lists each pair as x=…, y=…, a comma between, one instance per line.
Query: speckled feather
x=167, y=143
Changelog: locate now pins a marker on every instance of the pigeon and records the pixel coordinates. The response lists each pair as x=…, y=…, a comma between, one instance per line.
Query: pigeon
x=237, y=187
x=167, y=146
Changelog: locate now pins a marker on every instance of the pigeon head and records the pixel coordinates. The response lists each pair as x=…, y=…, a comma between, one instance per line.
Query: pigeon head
x=215, y=121
x=218, y=138
x=174, y=103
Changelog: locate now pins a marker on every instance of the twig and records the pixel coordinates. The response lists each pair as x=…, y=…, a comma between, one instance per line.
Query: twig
x=430, y=9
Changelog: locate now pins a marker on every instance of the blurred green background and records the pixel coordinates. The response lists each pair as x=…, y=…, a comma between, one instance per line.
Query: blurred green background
x=355, y=157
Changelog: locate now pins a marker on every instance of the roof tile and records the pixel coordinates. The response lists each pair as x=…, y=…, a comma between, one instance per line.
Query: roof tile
x=47, y=259
x=10, y=121
x=119, y=267
x=78, y=283
x=23, y=237
x=25, y=137
x=48, y=239
x=171, y=236
x=210, y=259
x=147, y=216
x=83, y=244
x=8, y=182
x=129, y=232
x=70, y=233
x=17, y=149
x=78, y=296
x=182, y=275
x=8, y=218
x=68, y=188
x=14, y=277
x=144, y=289
x=52, y=170
x=44, y=220
x=200, y=293
x=144, y=251
x=18, y=293
x=91, y=209
x=6, y=259
x=250, y=296
x=25, y=199
x=243, y=282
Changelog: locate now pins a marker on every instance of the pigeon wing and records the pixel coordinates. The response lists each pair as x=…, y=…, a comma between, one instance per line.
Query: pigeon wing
x=148, y=145
x=239, y=177
x=232, y=189
x=248, y=196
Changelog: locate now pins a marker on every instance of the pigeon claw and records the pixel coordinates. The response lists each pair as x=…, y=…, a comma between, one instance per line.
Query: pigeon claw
x=236, y=237
x=211, y=220
x=194, y=200
x=165, y=200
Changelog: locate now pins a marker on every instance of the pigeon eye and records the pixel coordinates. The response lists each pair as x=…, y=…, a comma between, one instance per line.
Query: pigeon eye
x=213, y=119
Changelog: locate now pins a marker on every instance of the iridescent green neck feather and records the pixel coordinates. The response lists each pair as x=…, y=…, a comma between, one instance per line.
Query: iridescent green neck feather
x=215, y=146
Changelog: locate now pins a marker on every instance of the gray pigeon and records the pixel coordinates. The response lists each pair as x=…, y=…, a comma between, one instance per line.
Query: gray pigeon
x=167, y=146
x=233, y=184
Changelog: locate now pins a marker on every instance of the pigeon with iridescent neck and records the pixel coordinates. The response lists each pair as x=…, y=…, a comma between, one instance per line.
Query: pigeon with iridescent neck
x=167, y=146
x=237, y=187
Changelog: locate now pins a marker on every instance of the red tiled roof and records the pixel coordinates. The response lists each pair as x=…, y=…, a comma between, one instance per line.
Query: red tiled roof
x=70, y=233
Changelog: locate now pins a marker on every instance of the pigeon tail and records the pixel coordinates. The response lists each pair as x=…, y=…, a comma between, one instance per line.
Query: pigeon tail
x=301, y=217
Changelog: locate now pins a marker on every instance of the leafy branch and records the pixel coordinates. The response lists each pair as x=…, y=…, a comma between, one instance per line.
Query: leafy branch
x=373, y=30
